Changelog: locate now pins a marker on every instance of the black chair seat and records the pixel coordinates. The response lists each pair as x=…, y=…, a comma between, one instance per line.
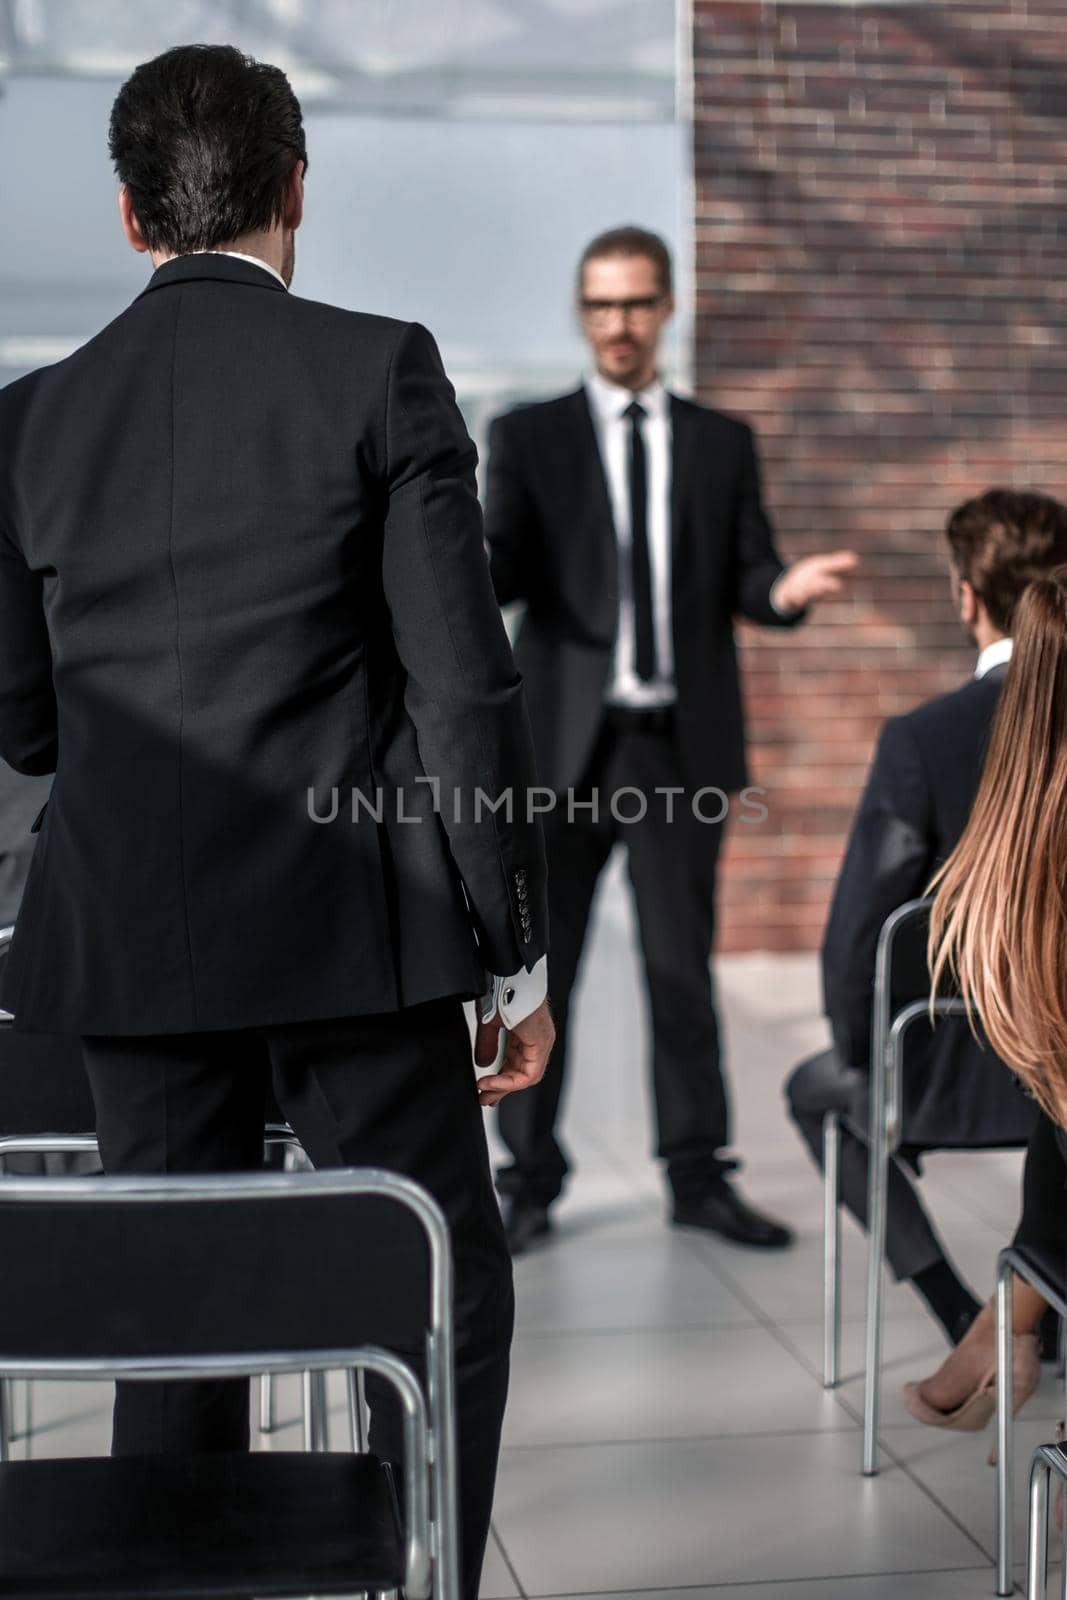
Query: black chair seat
x=1048, y=1263
x=171, y=1528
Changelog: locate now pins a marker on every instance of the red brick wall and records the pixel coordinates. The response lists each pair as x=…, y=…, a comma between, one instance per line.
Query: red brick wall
x=881, y=278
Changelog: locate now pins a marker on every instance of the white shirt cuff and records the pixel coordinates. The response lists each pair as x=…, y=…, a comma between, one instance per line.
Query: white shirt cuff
x=516, y=997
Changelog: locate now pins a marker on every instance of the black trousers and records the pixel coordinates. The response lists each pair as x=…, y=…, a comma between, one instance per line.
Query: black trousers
x=672, y=863
x=824, y=1083
x=395, y=1091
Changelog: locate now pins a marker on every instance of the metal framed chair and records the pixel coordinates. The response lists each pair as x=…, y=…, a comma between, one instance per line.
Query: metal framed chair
x=46, y=1108
x=170, y=1278
x=1049, y=1279
x=901, y=999
x=1048, y=1461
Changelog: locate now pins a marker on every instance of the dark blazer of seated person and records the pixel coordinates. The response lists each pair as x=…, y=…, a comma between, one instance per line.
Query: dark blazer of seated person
x=916, y=802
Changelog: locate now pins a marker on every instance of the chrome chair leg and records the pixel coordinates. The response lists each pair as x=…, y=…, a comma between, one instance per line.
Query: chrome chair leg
x=13, y=1430
x=293, y=1160
x=316, y=1433
x=266, y=1402
x=1037, y=1536
x=10, y=1427
x=1005, y=1431
x=831, y=1237
x=877, y=1198
x=357, y=1411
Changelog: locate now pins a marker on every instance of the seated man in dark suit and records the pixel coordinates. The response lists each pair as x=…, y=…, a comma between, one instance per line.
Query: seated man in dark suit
x=917, y=799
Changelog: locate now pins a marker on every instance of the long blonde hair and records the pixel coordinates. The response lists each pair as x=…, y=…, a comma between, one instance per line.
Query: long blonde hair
x=998, y=924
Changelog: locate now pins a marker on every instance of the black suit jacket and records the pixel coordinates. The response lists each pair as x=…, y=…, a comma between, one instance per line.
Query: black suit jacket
x=552, y=543
x=919, y=794
x=241, y=557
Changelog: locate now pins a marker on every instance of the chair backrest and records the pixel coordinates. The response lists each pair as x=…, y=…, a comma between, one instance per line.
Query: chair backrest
x=122, y=1270
x=168, y=1277
x=902, y=973
x=949, y=1103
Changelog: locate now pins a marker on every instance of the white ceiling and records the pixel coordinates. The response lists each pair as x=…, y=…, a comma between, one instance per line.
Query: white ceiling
x=591, y=59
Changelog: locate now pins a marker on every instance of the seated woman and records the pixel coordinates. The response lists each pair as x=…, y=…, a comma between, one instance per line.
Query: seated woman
x=999, y=928
x=961, y=1393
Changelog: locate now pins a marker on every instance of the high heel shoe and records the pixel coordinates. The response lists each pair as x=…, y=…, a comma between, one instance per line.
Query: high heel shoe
x=976, y=1410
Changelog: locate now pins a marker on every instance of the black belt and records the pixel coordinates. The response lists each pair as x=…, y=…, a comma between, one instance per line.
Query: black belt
x=640, y=719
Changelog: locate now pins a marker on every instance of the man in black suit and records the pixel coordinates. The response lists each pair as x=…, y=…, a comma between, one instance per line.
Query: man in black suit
x=246, y=619
x=916, y=802
x=631, y=524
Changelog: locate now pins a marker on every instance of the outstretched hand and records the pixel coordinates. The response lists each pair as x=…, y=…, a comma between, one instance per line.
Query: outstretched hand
x=813, y=578
x=526, y=1052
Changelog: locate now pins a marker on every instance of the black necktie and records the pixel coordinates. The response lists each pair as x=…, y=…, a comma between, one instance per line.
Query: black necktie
x=640, y=561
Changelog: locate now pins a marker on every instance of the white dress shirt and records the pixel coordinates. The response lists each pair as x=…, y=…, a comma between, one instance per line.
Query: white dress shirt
x=994, y=655
x=239, y=255
x=608, y=403
x=516, y=997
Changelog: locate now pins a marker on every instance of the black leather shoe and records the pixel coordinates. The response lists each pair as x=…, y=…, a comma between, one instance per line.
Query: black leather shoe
x=721, y=1210
x=523, y=1223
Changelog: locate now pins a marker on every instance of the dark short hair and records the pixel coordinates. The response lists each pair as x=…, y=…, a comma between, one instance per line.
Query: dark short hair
x=1004, y=539
x=629, y=241
x=205, y=138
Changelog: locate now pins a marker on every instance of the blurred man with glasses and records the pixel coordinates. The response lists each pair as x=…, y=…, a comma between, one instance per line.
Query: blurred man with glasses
x=631, y=524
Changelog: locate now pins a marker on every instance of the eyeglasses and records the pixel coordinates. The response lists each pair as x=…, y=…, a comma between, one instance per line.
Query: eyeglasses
x=599, y=312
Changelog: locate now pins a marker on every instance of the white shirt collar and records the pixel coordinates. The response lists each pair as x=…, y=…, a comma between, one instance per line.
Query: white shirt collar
x=610, y=400
x=238, y=255
x=992, y=656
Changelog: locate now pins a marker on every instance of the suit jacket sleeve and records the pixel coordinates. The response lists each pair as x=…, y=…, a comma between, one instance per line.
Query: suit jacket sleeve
x=28, y=734
x=758, y=562
x=463, y=691
x=509, y=516
x=890, y=859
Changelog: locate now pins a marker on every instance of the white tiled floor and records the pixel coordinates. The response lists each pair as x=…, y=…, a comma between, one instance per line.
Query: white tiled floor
x=668, y=1431
x=668, y=1434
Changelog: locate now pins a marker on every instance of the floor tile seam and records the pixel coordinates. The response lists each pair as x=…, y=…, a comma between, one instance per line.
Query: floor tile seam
x=616, y=1163
x=762, y=1316
x=923, y=1487
x=632, y=1441
x=506, y=1558
x=785, y=1584
x=696, y=1326
x=977, y=1209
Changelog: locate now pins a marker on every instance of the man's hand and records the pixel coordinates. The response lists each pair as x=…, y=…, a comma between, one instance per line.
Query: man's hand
x=529, y=1045
x=812, y=578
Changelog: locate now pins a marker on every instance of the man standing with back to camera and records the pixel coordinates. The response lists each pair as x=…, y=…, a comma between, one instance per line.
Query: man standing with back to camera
x=241, y=559
x=630, y=522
